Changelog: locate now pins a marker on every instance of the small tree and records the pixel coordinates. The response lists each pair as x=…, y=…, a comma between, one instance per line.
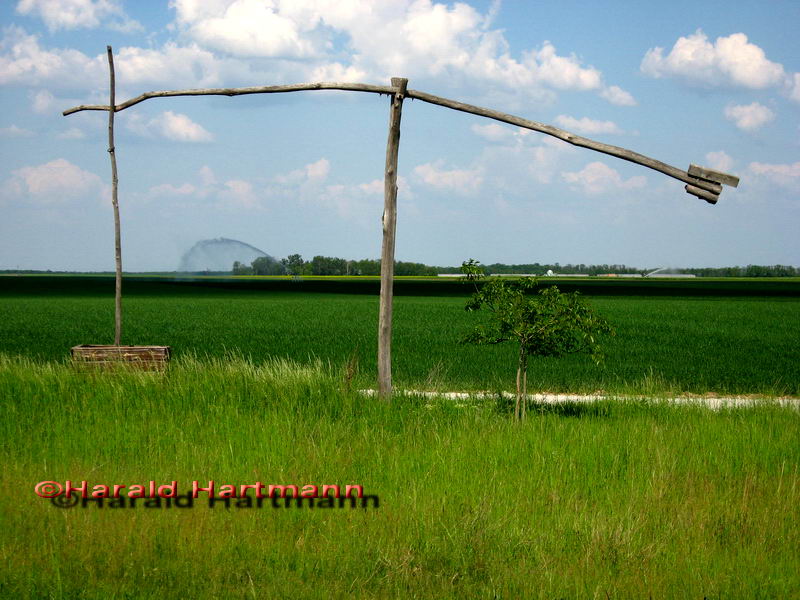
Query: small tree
x=546, y=323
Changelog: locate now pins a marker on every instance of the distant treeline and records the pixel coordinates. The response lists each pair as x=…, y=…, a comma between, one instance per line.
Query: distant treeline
x=539, y=269
x=328, y=265
x=748, y=271
x=294, y=264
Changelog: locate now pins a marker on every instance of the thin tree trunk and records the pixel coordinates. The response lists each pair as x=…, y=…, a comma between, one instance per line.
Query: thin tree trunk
x=524, y=384
x=115, y=203
x=387, y=250
x=520, y=364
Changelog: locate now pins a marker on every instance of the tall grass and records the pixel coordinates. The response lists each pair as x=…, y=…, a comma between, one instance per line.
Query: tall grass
x=607, y=500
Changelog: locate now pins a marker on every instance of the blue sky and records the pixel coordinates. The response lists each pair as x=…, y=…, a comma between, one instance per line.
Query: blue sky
x=711, y=83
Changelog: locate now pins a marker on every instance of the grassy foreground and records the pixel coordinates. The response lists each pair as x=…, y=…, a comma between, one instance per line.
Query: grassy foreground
x=620, y=500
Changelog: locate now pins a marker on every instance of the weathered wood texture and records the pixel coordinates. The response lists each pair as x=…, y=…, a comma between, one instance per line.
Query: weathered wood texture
x=712, y=185
x=147, y=358
x=709, y=197
x=115, y=203
x=570, y=138
x=388, y=244
x=266, y=89
x=711, y=175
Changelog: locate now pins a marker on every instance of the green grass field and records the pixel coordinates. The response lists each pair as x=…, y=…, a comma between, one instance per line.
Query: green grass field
x=719, y=343
x=612, y=500
x=615, y=499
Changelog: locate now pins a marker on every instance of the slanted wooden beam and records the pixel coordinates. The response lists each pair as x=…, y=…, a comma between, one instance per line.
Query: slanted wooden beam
x=570, y=138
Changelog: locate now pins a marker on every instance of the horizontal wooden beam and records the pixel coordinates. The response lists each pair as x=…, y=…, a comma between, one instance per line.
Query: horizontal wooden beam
x=697, y=177
x=267, y=89
x=711, y=175
x=702, y=194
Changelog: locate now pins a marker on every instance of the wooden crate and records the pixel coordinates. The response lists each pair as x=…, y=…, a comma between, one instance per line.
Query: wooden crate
x=145, y=358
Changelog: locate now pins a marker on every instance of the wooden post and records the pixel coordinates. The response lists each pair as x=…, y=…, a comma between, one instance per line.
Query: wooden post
x=387, y=248
x=115, y=203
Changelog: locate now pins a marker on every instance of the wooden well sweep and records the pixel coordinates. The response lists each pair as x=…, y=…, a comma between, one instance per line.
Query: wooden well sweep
x=700, y=181
x=145, y=358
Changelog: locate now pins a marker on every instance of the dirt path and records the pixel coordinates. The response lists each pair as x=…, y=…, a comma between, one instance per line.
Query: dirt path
x=709, y=401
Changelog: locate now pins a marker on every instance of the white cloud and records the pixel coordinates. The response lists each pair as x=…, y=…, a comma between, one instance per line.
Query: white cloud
x=312, y=172
x=305, y=184
x=351, y=202
x=238, y=193
x=338, y=72
x=783, y=175
x=347, y=40
x=358, y=203
x=233, y=194
x=52, y=182
x=719, y=161
x=794, y=87
x=168, y=190
x=309, y=185
x=247, y=28
x=518, y=137
x=237, y=42
x=749, y=117
x=77, y=14
x=207, y=176
x=172, y=66
x=181, y=128
x=376, y=186
x=169, y=125
x=319, y=169
x=73, y=133
x=587, y=126
x=545, y=158
x=24, y=62
x=616, y=95
x=597, y=178
x=731, y=61
x=565, y=73
x=494, y=132
x=15, y=132
x=43, y=101
x=526, y=154
x=462, y=181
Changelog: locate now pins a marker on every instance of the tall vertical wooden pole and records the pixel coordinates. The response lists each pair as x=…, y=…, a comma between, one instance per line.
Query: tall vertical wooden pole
x=387, y=248
x=115, y=203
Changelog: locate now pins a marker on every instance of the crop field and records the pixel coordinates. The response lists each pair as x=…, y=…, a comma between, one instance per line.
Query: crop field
x=666, y=342
x=631, y=498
